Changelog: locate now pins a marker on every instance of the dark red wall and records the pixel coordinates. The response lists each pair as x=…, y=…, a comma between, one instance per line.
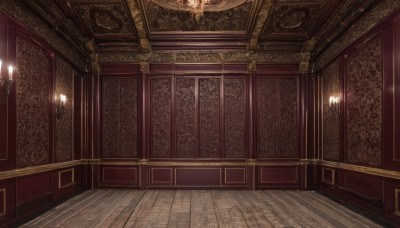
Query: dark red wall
x=359, y=153
x=32, y=143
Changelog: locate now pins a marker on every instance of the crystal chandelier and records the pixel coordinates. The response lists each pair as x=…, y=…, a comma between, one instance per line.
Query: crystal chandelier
x=197, y=6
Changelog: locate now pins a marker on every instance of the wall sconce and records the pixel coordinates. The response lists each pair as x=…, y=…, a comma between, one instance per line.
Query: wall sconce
x=334, y=104
x=60, y=108
x=6, y=84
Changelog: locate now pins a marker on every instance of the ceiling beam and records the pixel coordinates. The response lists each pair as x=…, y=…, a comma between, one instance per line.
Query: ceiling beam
x=138, y=20
x=266, y=7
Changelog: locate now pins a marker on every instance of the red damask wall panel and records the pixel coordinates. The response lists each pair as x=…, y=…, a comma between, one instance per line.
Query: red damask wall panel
x=268, y=119
x=32, y=88
x=186, y=136
x=331, y=121
x=209, y=90
x=235, y=117
x=128, y=130
x=120, y=109
x=364, y=104
x=288, y=127
x=64, y=85
x=110, y=117
x=277, y=117
x=161, y=117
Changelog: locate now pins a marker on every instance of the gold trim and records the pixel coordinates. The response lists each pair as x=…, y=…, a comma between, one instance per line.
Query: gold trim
x=220, y=176
x=39, y=169
x=161, y=182
x=4, y=202
x=133, y=168
x=332, y=182
x=396, y=202
x=362, y=169
x=235, y=182
x=72, y=178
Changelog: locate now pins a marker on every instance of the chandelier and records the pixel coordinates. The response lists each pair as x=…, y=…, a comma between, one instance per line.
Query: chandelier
x=197, y=7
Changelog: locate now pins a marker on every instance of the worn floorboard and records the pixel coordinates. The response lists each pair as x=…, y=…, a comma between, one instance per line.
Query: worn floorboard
x=200, y=208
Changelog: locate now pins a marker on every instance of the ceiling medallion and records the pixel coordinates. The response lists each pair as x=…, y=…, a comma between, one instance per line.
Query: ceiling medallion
x=197, y=7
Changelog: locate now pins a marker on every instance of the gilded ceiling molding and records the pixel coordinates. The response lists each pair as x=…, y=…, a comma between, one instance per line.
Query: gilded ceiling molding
x=252, y=66
x=145, y=67
x=359, y=28
x=138, y=20
x=203, y=57
x=31, y=21
x=309, y=45
x=339, y=22
x=258, y=28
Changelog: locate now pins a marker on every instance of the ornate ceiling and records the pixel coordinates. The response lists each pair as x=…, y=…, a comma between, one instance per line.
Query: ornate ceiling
x=306, y=26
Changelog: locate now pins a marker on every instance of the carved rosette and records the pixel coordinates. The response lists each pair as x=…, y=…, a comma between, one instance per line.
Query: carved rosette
x=32, y=86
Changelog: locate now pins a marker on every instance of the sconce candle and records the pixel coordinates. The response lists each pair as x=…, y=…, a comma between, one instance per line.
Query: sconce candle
x=1, y=63
x=10, y=72
x=333, y=101
x=63, y=99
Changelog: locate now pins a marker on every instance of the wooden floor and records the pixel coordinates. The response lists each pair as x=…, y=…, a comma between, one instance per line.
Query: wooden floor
x=200, y=208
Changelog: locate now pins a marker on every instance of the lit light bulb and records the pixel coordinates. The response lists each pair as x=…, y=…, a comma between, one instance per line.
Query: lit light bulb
x=10, y=72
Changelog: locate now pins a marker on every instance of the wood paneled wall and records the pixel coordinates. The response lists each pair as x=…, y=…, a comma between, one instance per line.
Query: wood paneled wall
x=359, y=141
x=195, y=122
x=37, y=153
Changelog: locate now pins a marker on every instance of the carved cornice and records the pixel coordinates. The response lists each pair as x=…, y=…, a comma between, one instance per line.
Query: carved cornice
x=43, y=30
x=258, y=28
x=137, y=16
x=203, y=57
x=359, y=28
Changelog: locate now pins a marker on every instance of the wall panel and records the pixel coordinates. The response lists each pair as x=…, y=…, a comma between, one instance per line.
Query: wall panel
x=186, y=135
x=331, y=120
x=161, y=117
x=277, y=117
x=364, y=83
x=64, y=127
x=209, y=95
x=120, y=117
x=235, y=117
x=268, y=119
x=33, y=90
x=288, y=124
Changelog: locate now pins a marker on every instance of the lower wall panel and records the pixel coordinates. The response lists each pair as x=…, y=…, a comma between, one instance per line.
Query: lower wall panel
x=7, y=200
x=119, y=176
x=278, y=177
x=198, y=177
x=371, y=193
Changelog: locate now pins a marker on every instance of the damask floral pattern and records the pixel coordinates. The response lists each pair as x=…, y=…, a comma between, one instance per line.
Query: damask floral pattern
x=364, y=104
x=161, y=117
x=110, y=117
x=209, y=117
x=331, y=121
x=288, y=127
x=120, y=132
x=185, y=118
x=63, y=139
x=235, y=118
x=277, y=117
x=128, y=130
x=268, y=119
x=32, y=90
